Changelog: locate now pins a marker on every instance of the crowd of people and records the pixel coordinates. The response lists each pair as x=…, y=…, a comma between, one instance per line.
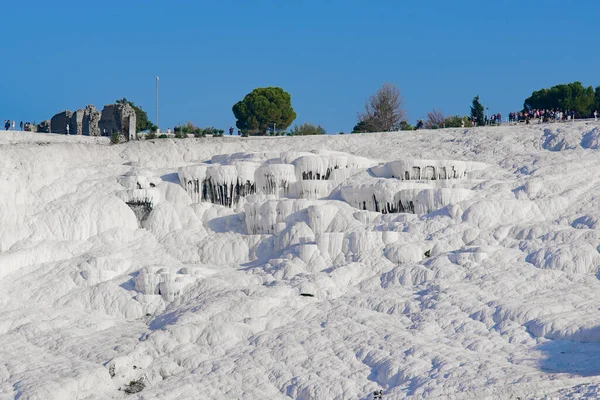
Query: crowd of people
x=494, y=119
x=23, y=126
x=544, y=116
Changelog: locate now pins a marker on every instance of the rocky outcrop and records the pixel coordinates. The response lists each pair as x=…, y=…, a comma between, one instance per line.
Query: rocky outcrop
x=118, y=118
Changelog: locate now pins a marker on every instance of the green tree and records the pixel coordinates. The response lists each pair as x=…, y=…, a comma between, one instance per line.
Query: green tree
x=142, y=123
x=456, y=121
x=572, y=96
x=264, y=109
x=361, y=127
x=405, y=126
x=307, y=129
x=477, y=111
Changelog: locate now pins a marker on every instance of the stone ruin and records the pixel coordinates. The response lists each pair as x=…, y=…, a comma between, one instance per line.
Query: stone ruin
x=86, y=121
x=58, y=123
x=115, y=118
x=44, y=126
x=118, y=118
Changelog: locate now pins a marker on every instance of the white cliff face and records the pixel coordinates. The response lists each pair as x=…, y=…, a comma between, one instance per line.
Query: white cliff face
x=211, y=268
x=229, y=181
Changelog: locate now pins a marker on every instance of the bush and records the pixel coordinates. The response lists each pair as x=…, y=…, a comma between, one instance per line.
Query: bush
x=181, y=135
x=163, y=136
x=151, y=135
x=210, y=131
x=405, y=126
x=341, y=133
x=135, y=386
x=115, y=138
x=308, y=129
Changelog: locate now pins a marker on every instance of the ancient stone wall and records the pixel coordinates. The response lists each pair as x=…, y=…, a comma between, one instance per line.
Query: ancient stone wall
x=115, y=118
x=44, y=126
x=76, y=124
x=58, y=123
x=118, y=118
x=85, y=121
x=91, y=121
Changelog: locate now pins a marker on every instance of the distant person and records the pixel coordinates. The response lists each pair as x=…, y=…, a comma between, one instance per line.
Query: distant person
x=6, y=124
x=21, y=125
x=239, y=132
x=14, y=125
x=595, y=115
x=67, y=129
x=230, y=130
x=573, y=115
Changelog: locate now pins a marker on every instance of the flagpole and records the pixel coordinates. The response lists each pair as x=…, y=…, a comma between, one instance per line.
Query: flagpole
x=157, y=126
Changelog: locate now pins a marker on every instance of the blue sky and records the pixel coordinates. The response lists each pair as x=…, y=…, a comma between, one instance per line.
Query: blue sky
x=330, y=55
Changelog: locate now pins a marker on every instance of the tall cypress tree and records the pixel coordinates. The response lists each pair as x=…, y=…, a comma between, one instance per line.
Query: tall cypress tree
x=477, y=111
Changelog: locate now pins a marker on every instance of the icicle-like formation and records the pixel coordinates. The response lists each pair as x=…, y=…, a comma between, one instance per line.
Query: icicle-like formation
x=275, y=179
x=426, y=169
x=141, y=201
x=229, y=179
x=320, y=167
x=219, y=184
x=389, y=197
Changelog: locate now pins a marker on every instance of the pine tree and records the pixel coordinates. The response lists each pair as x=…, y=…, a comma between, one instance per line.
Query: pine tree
x=477, y=111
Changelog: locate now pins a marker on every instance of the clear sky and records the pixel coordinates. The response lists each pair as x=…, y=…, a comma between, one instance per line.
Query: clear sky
x=330, y=55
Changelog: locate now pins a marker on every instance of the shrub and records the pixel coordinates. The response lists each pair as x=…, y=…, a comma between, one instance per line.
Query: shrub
x=151, y=135
x=181, y=134
x=115, y=138
x=163, y=136
x=210, y=131
x=308, y=129
x=405, y=126
x=135, y=386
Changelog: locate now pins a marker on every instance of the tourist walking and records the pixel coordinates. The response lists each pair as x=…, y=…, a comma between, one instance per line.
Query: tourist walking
x=14, y=125
x=67, y=129
x=21, y=125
